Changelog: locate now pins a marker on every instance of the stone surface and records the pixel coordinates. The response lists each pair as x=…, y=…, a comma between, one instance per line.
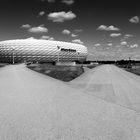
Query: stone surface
x=37, y=107
x=112, y=84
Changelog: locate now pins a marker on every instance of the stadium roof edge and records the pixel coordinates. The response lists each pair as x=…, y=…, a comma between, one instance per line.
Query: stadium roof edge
x=33, y=39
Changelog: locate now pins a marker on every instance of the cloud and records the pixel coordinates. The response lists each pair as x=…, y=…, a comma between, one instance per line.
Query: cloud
x=107, y=28
x=26, y=26
x=99, y=53
x=110, y=44
x=115, y=34
x=77, y=41
x=46, y=37
x=61, y=16
x=51, y=38
x=39, y=29
x=74, y=35
x=134, y=46
x=114, y=53
x=123, y=43
x=134, y=19
x=78, y=30
x=31, y=38
x=126, y=36
x=66, y=32
x=97, y=45
x=42, y=13
x=50, y=1
x=68, y=2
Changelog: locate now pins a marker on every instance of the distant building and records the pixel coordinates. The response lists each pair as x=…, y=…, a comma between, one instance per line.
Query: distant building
x=35, y=50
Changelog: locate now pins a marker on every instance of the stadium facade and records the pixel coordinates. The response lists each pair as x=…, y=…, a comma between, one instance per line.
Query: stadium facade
x=36, y=50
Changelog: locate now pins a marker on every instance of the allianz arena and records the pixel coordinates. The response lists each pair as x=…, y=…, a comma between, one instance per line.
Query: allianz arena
x=35, y=50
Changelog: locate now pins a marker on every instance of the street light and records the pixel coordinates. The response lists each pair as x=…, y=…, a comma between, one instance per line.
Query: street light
x=78, y=55
x=13, y=53
x=58, y=52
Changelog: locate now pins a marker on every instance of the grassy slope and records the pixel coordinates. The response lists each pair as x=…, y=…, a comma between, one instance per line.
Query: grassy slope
x=64, y=73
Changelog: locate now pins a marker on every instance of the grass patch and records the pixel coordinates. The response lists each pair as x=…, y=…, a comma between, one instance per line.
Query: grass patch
x=64, y=73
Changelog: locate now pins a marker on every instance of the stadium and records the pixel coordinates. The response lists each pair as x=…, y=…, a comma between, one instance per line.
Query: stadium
x=36, y=50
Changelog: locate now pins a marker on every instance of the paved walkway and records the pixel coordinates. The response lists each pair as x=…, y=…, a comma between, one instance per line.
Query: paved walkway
x=112, y=84
x=37, y=107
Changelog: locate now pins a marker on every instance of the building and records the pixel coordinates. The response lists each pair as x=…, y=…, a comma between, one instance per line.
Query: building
x=37, y=50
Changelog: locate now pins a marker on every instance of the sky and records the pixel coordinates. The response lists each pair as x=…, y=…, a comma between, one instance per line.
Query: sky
x=110, y=29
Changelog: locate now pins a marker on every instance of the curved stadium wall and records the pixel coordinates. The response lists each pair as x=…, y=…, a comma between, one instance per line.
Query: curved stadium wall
x=35, y=50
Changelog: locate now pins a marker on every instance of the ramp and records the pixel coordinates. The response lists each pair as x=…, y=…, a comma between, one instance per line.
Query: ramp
x=112, y=84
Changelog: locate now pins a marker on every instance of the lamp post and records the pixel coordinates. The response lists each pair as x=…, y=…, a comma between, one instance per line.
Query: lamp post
x=13, y=53
x=58, y=53
x=78, y=55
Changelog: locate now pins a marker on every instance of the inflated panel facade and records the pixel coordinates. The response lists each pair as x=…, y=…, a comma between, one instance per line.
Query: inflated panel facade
x=34, y=50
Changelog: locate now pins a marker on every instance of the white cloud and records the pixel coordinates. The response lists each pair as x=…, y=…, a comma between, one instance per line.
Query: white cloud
x=26, y=26
x=42, y=13
x=123, y=43
x=50, y=1
x=30, y=38
x=135, y=57
x=134, y=19
x=115, y=34
x=118, y=46
x=61, y=16
x=114, y=53
x=97, y=45
x=110, y=44
x=66, y=32
x=102, y=27
x=45, y=37
x=127, y=36
x=134, y=46
x=78, y=30
x=77, y=41
x=74, y=35
x=68, y=2
x=39, y=29
x=51, y=38
x=112, y=28
x=107, y=28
